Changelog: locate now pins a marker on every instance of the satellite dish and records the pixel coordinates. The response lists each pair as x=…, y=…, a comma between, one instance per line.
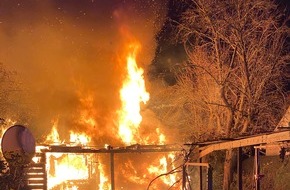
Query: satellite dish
x=18, y=145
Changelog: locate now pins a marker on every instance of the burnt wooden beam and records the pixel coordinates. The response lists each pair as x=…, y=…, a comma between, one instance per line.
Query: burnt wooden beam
x=128, y=149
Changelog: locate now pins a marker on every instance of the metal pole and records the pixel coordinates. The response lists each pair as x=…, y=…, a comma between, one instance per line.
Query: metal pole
x=112, y=171
x=184, y=177
x=240, y=168
x=257, y=169
x=200, y=175
x=209, y=178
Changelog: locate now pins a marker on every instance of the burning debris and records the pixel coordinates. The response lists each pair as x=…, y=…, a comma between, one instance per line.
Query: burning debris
x=76, y=160
x=81, y=165
x=70, y=160
x=97, y=98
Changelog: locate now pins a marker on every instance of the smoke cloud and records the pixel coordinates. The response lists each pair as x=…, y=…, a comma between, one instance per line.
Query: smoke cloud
x=67, y=53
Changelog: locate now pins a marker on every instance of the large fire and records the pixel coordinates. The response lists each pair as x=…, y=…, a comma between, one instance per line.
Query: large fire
x=61, y=167
x=64, y=169
x=132, y=93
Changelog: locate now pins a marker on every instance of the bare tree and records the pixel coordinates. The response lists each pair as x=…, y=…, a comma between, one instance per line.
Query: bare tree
x=236, y=59
x=13, y=98
x=7, y=87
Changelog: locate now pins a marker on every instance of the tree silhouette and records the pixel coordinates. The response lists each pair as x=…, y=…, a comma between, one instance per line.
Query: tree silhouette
x=233, y=82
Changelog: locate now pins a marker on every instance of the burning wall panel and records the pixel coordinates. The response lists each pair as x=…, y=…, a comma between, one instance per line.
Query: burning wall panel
x=130, y=170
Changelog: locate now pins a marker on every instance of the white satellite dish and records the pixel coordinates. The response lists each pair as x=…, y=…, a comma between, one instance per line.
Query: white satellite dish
x=18, y=145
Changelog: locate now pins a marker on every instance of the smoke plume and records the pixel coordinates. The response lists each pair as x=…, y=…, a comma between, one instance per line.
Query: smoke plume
x=67, y=57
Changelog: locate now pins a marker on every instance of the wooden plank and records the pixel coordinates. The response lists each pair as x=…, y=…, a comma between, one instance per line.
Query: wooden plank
x=37, y=165
x=129, y=149
x=197, y=164
x=36, y=181
x=31, y=187
x=261, y=139
x=28, y=176
x=36, y=170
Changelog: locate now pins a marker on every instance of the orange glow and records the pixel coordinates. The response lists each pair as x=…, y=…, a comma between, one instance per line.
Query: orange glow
x=63, y=167
x=79, y=139
x=66, y=167
x=161, y=137
x=53, y=136
x=163, y=168
x=87, y=112
x=103, y=185
x=133, y=92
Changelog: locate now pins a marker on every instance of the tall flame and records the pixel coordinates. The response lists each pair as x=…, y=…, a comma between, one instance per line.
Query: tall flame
x=133, y=92
x=63, y=168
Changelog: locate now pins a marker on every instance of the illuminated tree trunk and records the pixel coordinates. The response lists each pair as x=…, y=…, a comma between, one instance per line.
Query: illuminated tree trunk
x=228, y=165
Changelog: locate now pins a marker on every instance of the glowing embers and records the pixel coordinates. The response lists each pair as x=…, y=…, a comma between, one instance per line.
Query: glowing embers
x=132, y=93
x=165, y=166
x=104, y=181
x=79, y=139
x=53, y=136
x=62, y=168
x=156, y=170
x=71, y=170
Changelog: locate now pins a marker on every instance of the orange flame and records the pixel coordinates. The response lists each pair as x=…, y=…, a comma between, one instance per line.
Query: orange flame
x=88, y=111
x=66, y=167
x=53, y=136
x=163, y=168
x=132, y=94
x=103, y=178
x=79, y=139
x=63, y=167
